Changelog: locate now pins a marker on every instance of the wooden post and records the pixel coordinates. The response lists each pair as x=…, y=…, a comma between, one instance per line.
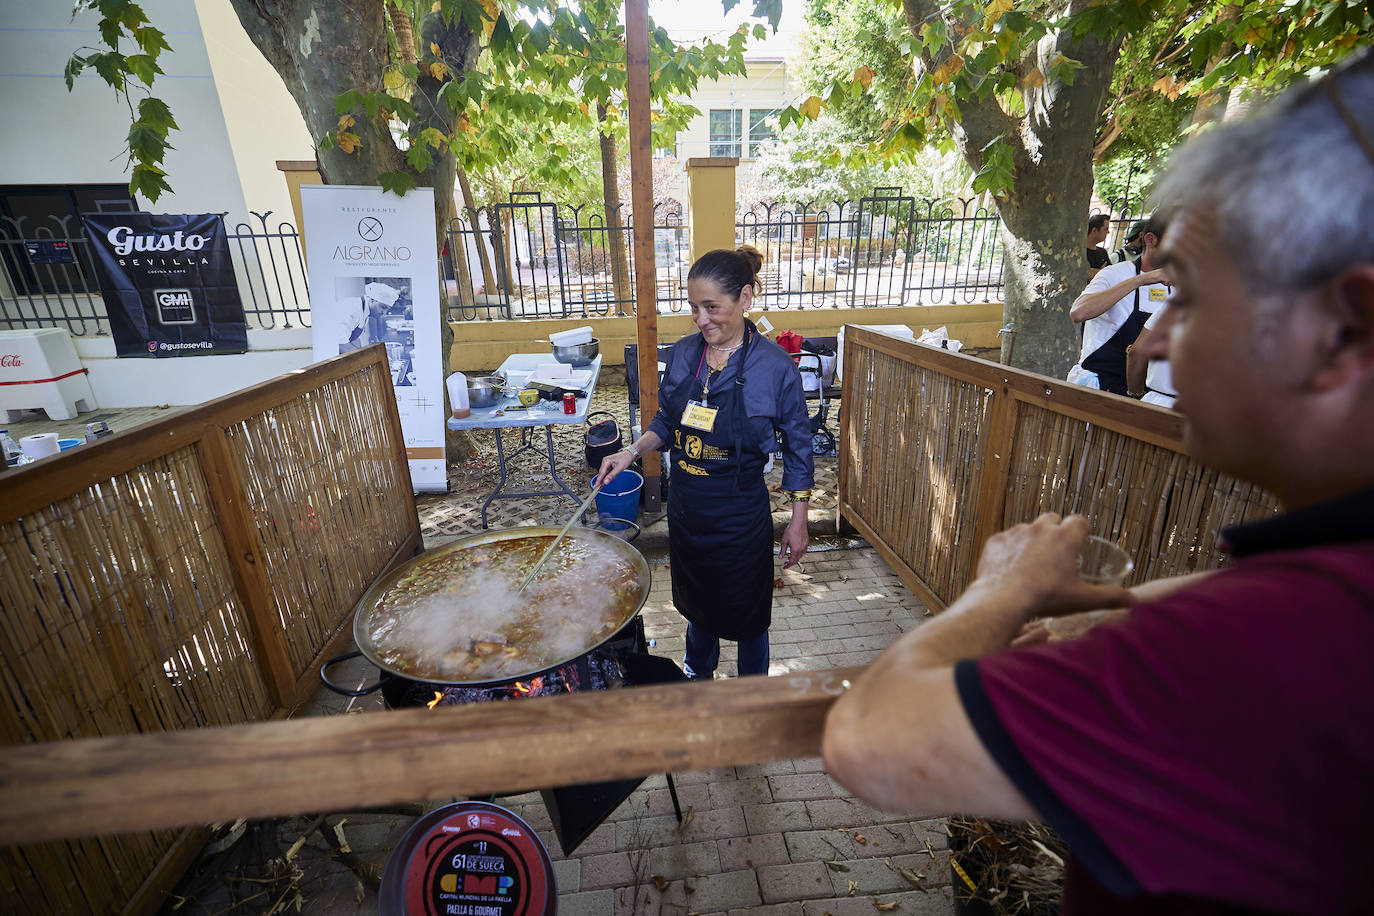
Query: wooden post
x=642, y=205
x=997, y=459
x=242, y=544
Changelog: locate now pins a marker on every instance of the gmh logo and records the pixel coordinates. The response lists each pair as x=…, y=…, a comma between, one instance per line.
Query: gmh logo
x=11, y=361
x=169, y=298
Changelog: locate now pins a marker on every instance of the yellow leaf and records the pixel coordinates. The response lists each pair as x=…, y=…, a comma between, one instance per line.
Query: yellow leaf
x=346, y=121
x=885, y=907
x=582, y=107
x=1166, y=86
x=947, y=71
x=1033, y=80
x=811, y=107
x=490, y=9
x=438, y=69
x=995, y=11
x=1254, y=36
x=347, y=142
x=612, y=111
x=434, y=48
x=864, y=76
x=466, y=126
x=393, y=80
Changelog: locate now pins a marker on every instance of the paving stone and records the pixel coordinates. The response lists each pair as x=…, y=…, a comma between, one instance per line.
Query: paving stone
x=704, y=776
x=794, y=882
x=778, y=817
x=772, y=768
x=648, y=832
x=801, y=786
x=912, y=903
x=791, y=908
x=613, y=869
x=845, y=812
x=852, y=659
x=809, y=765
x=586, y=903
x=867, y=643
x=879, y=876
x=740, y=792
x=567, y=875
x=685, y=860
x=600, y=840
x=752, y=851
x=727, y=891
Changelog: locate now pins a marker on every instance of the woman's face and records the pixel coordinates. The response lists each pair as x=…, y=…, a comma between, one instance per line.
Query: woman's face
x=719, y=318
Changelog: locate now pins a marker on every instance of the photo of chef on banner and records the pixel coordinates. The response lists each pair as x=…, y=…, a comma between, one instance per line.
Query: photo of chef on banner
x=378, y=310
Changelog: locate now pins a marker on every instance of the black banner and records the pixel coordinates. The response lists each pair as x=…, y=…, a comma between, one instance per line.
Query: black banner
x=168, y=283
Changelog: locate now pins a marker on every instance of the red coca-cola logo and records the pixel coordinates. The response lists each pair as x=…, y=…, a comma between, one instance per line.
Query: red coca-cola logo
x=11, y=361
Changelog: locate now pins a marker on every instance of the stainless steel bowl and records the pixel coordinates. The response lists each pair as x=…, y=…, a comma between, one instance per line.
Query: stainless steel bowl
x=578, y=354
x=485, y=390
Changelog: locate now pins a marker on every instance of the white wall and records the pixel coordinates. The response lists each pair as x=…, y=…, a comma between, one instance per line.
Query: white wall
x=52, y=136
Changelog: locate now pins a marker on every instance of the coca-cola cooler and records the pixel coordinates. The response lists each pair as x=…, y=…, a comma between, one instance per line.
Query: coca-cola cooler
x=39, y=369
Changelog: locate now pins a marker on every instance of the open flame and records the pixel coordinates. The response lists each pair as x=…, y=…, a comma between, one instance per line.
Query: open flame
x=534, y=686
x=438, y=698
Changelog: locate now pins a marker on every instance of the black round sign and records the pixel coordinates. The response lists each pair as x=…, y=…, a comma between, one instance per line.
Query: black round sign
x=469, y=859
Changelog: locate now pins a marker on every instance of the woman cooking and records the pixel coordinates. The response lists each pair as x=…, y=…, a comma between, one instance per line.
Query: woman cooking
x=726, y=391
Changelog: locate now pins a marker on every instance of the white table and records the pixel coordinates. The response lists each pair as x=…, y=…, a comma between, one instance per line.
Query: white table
x=510, y=414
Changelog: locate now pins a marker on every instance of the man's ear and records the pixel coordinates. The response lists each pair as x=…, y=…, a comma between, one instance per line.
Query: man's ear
x=1348, y=338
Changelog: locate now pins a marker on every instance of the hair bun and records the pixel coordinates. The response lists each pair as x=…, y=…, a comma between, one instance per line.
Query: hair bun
x=753, y=256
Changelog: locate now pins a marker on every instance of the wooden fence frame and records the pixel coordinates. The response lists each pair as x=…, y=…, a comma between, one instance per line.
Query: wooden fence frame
x=206, y=429
x=1010, y=392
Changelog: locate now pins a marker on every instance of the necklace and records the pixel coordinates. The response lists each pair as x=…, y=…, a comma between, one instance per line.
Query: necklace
x=728, y=349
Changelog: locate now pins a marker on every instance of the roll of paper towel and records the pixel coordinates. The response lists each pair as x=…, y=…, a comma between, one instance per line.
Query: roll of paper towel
x=39, y=446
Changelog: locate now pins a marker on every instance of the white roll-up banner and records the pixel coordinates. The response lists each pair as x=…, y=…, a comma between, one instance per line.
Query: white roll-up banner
x=374, y=278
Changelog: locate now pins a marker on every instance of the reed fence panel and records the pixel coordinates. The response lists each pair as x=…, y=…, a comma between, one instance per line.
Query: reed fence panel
x=187, y=573
x=941, y=450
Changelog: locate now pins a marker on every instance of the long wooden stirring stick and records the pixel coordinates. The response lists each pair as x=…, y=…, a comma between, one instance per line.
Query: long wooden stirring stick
x=576, y=515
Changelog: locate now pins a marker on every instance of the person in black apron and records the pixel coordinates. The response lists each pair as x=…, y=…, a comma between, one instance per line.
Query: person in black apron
x=725, y=390
x=1103, y=306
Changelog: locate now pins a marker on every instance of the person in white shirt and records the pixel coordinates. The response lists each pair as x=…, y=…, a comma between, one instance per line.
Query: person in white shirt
x=1149, y=379
x=1114, y=307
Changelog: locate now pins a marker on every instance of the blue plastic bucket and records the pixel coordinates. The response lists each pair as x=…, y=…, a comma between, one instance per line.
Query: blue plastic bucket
x=620, y=497
x=64, y=444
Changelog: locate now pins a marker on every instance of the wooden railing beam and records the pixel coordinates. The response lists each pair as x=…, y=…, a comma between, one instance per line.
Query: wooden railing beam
x=88, y=787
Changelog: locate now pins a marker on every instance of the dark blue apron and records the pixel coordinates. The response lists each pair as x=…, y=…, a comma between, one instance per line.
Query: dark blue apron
x=1109, y=360
x=720, y=522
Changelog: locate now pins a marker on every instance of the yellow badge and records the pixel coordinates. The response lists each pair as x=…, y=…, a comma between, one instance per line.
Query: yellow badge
x=1157, y=294
x=693, y=446
x=698, y=416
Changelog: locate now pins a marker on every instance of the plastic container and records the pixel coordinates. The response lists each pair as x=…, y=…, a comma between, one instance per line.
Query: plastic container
x=65, y=444
x=458, y=395
x=620, y=497
x=571, y=337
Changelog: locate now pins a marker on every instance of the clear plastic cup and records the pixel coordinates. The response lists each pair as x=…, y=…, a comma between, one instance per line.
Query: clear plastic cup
x=1102, y=562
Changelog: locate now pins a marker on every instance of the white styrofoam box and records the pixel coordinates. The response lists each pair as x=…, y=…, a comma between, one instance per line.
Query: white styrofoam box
x=44, y=372
x=571, y=337
x=892, y=330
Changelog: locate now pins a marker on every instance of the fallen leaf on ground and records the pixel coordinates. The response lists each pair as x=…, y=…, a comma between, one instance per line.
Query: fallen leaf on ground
x=853, y=886
x=890, y=905
x=837, y=866
x=660, y=882
x=778, y=583
x=686, y=818
x=861, y=839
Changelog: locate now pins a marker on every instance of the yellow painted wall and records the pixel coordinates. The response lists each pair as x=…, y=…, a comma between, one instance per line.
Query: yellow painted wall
x=711, y=204
x=483, y=345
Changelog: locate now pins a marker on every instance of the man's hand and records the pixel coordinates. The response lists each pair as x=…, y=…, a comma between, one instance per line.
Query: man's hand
x=1056, y=629
x=1039, y=561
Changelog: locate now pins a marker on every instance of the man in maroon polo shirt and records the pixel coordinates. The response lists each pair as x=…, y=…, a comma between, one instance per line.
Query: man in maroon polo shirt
x=1211, y=750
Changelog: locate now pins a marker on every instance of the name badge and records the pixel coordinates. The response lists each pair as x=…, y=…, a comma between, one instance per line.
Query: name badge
x=1157, y=294
x=697, y=415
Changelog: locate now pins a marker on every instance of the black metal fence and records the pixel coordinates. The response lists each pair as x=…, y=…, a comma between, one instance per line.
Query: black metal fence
x=532, y=258
x=48, y=279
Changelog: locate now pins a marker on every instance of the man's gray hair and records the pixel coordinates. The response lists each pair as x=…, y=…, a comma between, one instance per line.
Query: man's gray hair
x=1291, y=187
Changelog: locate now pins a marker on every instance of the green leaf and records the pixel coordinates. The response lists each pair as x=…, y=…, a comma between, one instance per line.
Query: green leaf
x=997, y=175
x=500, y=33
x=75, y=64
x=347, y=101
x=143, y=67
x=419, y=157
x=452, y=96
x=148, y=181
x=151, y=40
x=397, y=183
x=145, y=145
x=110, y=66
x=154, y=112
x=110, y=33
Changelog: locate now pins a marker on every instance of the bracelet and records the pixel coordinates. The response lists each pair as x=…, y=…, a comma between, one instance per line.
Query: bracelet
x=631, y=450
x=798, y=496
